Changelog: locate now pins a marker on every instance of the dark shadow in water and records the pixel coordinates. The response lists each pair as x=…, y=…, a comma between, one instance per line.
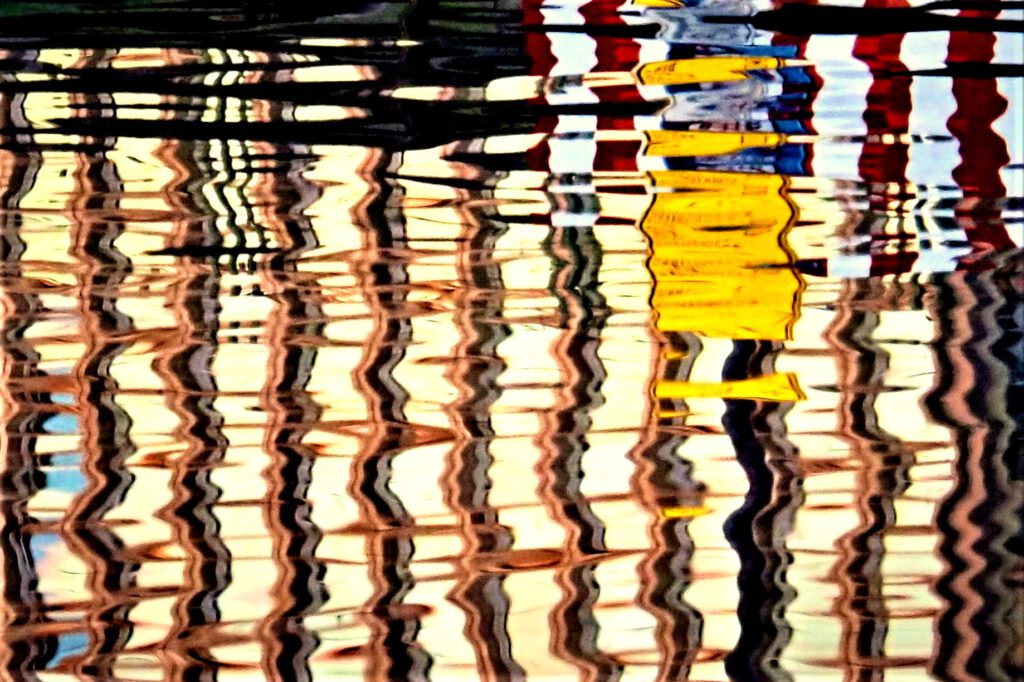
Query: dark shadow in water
x=758, y=529
x=404, y=43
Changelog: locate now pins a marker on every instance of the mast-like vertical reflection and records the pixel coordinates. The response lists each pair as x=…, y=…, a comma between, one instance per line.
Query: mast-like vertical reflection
x=576, y=255
x=23, y=410
x=885, y=154
x=978, y=371
x=477, y=366
x=187, y=372
x=882, y=476
x=105, y=425
x=758, y=529
x=393, y=652
x=983, y=151
x=977, y=389
x=665, y=484
x=192, y=390
x=190, y=163
x=296, y=323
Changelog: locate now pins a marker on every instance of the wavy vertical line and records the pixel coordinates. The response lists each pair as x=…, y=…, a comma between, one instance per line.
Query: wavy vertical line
x=383, y=278
x=190, y=166
x=22, y=414
x=105, y=426
x=475, y=372
x=664, y=480
x=562, y=442
x=186, y=368
x=295, y=323
x=883, y=475
x=979, y=520
x=187, y=372
x=757, y=530
x=299, y=590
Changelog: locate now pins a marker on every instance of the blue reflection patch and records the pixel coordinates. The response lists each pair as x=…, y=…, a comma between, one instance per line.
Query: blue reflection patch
x=69, y=644
x=64, y=423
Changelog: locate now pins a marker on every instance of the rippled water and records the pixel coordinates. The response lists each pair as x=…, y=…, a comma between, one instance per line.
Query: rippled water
x=460, y=340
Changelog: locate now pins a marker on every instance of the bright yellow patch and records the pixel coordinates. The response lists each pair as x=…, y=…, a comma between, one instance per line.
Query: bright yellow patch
x=657, y=3
x=720, y=261
x=684, y=512
x=706, y=142
x=703, y=70
x=781, y=387
x=719, y=182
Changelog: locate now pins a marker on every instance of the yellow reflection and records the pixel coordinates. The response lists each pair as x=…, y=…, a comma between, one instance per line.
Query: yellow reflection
x=719, y=255
x=684, y=512
x=657, y=3
x=705, y=142
x=772, y=387
x=703, y=70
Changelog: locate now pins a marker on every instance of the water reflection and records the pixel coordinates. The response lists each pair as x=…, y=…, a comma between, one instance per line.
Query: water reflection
x=383, y=276
x=665, y=485
x=757, y=530
x=475, y=369
x=979, y=518
x=26, y=408
x=568, y=340
x=884, y=464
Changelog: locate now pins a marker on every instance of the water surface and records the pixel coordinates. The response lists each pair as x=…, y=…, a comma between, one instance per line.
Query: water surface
x=495, y=340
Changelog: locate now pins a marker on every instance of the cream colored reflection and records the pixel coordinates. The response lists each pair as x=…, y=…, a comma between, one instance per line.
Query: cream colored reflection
x=242, y=368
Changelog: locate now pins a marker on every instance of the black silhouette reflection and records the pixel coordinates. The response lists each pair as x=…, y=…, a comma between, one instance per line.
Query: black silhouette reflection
x=758, y=529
